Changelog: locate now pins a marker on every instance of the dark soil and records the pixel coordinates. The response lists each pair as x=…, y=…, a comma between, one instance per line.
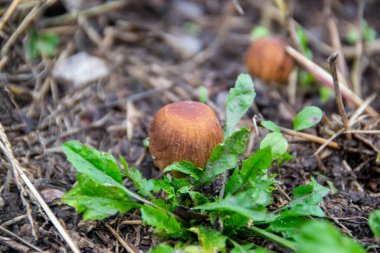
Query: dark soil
x=151, y=49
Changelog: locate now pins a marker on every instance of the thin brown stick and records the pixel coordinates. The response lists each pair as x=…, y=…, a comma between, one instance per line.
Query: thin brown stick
x=310, y=137
x=326, y=79
x=20, y=239
x=352, y=121
x=356, y=68
x=8, y=14
x=3, y=62
x=72, y=17
x=5, y=146
x=339, y=101
x=122, y=242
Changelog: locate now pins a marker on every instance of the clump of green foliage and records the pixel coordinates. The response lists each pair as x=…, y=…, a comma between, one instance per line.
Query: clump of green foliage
x=40, y=44
x=220, y=221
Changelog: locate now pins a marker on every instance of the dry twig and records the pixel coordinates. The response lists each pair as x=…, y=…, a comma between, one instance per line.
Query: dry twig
x=339, y=101
x=8, y=14
x=326, y=79
x=18, y=172
x=20, y=239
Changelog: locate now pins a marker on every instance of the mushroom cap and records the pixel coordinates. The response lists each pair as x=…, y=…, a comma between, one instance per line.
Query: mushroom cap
x=184, y=130
x=268, y=60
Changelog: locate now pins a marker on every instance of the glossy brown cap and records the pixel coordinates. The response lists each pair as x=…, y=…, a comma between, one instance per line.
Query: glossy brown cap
x=268, y=60
x=185, y=130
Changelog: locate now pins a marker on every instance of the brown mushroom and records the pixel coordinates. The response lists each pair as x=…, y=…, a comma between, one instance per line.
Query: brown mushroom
x=185, y=130
x=268, y=60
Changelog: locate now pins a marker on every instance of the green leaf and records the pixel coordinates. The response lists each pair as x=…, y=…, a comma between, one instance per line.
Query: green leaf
x=99, y=165
x=48, y=43
x=97, y=201
x=166, y=186
x=322, y=237
x=277, y=143
x=304, y=41
x=142, y=185
x=162, y=221
x=225, y=155
x=249, y=204
x=211, y=240
x=31, y=47
x=325, y=94
x=369, y=34
x=259, y=32
x=308, y=117
x=284, y=158
x=239, y=101
x=271, y=126
x=256, y=164
x=290, y=221
x=202, y=94
x=289, y=226
x=185, y=167
x=162, y=248
x=305, y=200
x=198, y=198
x=305, y=79
x=233, y=222
x=310, y=194
x=44, y=44
x=374, y=223
x=247, y=248
x=233, y=183
x=304, y=210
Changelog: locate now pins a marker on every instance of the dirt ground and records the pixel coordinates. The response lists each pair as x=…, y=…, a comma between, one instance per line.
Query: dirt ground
x=152, y=53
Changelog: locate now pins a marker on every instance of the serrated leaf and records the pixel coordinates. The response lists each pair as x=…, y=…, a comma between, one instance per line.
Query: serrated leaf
x=322, y=237
x=250, y=204
x=187, y=168
x=225, y=156
x=162, y=221
x=374, y=223
x=239, y=101
x=162, y=248
x=99, y=165
x=97, y=201
x=308, y=117
x=277, y=142
x=270, y=125
x=211, y=240
x=142, y=185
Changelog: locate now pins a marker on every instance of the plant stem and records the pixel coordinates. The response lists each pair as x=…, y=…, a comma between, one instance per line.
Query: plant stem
x=274, y=238
x=339, y=101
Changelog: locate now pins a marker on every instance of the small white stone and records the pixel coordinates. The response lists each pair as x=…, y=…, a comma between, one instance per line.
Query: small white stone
x=80, y=68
